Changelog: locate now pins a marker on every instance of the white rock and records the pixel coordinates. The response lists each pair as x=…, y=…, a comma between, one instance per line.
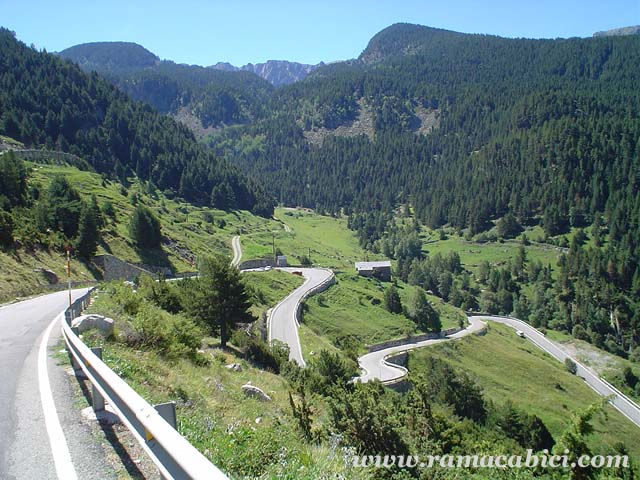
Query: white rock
x=236, y=367
x=255, y=392
x=87, y=322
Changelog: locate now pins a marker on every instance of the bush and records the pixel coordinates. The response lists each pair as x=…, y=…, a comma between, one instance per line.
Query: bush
x=571, y=366
x=578, y=332
x=160, y=293
x=330, y=369
x=169, y=335
x=261, y=353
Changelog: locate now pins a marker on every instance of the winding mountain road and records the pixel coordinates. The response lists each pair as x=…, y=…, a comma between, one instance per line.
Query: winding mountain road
x=375, y=366
x=283, y=318
x=283, y=321
x=283, y=326
x=237, y=251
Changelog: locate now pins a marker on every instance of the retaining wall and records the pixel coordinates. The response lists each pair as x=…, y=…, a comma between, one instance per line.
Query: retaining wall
x=116, y=269
x=413, y=339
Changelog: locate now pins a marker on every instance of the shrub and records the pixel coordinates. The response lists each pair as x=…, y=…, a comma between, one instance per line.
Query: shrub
x=169, y=335
x=160, y=293
x=580, y=333
x=330, y=369
x=571, y=366
x=270, y=357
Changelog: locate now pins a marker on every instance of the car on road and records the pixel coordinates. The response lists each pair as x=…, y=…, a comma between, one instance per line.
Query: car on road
x=520, y=333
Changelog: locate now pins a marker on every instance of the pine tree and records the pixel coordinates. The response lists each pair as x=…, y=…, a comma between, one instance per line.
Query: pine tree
x=423, y=313
x=144, y=228
x=220, y=299
x=88, y=232
x=392, y=301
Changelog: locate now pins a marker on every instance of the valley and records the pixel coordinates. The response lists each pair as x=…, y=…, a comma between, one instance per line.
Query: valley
x=432, y=247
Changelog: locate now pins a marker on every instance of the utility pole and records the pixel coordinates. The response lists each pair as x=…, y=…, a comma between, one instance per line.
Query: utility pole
x=69, y=273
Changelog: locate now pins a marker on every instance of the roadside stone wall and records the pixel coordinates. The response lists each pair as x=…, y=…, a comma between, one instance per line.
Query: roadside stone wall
x=116, y=269
x=413, y=339
x=257, y=263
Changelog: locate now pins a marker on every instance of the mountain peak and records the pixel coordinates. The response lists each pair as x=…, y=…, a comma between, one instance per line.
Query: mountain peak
x=402, y=39
x=618, y=32
x=276, y=72
x=108, y=56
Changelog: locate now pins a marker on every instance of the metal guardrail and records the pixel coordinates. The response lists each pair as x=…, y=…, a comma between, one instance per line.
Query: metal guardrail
x=174, y=456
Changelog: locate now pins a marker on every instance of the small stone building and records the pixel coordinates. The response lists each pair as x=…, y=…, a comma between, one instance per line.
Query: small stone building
x=380, y=269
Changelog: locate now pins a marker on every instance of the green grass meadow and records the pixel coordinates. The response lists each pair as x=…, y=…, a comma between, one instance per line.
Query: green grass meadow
x=511, y=368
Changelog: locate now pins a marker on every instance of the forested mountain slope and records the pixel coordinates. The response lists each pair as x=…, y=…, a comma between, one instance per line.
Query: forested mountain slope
x=47, y=101
x=523, y=125
x=214, y=97
x=467, y=129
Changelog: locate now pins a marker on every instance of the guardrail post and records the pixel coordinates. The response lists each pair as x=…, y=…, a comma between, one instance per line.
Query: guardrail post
x=74, y=363
x=168, y=412
x=96, y=396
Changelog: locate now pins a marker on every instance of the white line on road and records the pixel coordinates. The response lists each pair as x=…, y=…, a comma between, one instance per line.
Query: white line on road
x=59, y=448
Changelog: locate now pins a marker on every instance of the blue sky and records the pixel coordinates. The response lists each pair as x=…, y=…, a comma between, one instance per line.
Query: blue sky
x=241, y=31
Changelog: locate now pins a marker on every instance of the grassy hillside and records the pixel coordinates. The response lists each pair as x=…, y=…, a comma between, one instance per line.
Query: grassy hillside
x=301, y=232
x=510, y=368
x=354, y=307
x=496, y=253
x=245, y=437
x=189, y=231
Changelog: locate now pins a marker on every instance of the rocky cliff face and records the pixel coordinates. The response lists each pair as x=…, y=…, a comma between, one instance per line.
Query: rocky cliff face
x=276, y=72
x=635, y=30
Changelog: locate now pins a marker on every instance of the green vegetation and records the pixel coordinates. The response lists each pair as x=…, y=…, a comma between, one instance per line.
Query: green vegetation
x=496, y=253
x=49, y=102
x=353, y=310
x=217, y=98
x=326, y=241
x=188, y=231
x=241, y=435
x=217, y=298
x=508, y=368
x=144, y=228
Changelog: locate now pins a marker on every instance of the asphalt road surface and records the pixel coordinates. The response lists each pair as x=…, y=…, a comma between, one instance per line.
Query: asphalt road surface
x=283, y=324
x=25, y=445
x=237, y=251
x=374, y=365
x=623, y=404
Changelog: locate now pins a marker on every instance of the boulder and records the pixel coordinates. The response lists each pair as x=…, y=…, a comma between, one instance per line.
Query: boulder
x=87, y=322
x=255, y=392
x=236, y=367
x=49, y=275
